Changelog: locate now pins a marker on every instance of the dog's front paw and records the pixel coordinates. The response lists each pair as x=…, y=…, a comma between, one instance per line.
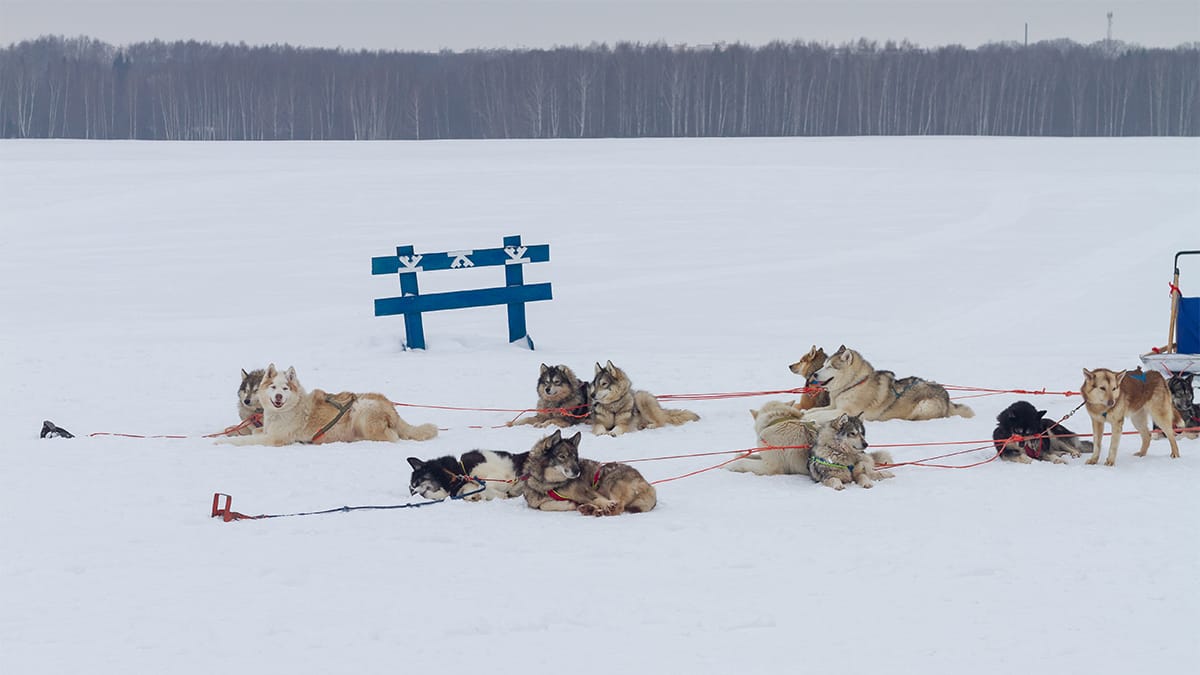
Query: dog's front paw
x=589, y=510
x=883, y=475
x=834, y=483
x=1110, y=462
x=1092, y=460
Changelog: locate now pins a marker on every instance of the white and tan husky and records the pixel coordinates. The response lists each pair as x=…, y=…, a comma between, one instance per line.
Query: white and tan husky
x=293, y=415
x=792, y=433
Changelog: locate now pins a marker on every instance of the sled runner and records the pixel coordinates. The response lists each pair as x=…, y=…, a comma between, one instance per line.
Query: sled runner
x=1182, y=351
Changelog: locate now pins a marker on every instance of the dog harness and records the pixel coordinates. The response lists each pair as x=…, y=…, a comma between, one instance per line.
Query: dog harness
x=911, y=381
x=854, y=385
x=459, y=480
x=1035, y=452
x=813, y=459
x=342, y=410
x=595, y=482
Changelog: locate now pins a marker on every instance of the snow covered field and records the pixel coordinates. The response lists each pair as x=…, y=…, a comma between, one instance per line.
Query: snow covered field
x=138, y=278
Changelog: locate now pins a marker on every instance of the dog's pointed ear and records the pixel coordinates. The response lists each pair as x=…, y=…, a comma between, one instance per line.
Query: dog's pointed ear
x=599, y=368
x=291, y=374
x=841, y=421
x=415, y=463
x=271, y=372
x=574, y=440
x=1041, y=413
x=245, y=374
x=840, y=349
x=1121, y=377
x=610, y=367
x=1088, y=375
x=791, y=403
x=556, y=436
x=753, y=413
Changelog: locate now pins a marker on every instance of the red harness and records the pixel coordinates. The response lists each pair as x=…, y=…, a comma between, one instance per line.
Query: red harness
x=559, y=498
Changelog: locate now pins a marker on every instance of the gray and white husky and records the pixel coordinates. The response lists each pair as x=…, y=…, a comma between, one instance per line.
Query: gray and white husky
x=558, y=479
x=857, y=388
x=562, y=399
x=249, y=409
x=618, y=408
x=839, y=455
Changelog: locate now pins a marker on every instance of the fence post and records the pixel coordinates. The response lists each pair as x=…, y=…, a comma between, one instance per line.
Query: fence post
x=514, y=275
x=414, y=328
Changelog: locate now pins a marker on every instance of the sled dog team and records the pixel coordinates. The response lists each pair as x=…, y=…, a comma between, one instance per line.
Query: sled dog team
x=821, y=435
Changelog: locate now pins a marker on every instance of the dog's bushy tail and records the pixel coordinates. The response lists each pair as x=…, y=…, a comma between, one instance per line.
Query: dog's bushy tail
x=882, y=457
x=417, y=432
x=961, y=410
x=680, y=416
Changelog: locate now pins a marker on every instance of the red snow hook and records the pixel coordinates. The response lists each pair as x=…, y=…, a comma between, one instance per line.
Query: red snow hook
x=224, y=511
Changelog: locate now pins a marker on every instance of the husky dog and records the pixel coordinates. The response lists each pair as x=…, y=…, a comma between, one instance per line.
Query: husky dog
x=1183, y=397
x=807, y=367
x=618, y=408
x=1042, y=438
x=501, y=472
x=779, y=424
x=839, y=455
x=249, y=409
x=292, y=414
x=1111, y=396
x=855, y=387
x=441, y=478
x=498, y=471
x=559, y=480
x=562, y=399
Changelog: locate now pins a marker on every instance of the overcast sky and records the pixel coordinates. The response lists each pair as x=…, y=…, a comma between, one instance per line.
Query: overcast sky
x=464, y=24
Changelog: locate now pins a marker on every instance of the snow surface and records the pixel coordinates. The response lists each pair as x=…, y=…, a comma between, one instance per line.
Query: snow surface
x=138, y=278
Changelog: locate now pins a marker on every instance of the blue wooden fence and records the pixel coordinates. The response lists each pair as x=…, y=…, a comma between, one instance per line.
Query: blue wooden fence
x=515, y=293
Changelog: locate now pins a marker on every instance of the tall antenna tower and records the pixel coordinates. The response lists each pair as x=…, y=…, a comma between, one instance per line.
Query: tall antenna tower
x=1110, y=27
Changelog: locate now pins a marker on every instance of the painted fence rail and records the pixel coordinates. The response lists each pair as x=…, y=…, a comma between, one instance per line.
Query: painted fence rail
x=515, y=292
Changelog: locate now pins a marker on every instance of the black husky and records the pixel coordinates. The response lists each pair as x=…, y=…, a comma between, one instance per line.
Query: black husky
x=1040, y=438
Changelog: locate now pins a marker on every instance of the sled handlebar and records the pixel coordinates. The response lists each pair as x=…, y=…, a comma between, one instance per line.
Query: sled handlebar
x=1177, y=259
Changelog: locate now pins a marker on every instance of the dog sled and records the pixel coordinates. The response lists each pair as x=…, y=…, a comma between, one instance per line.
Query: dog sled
x=1182, y=351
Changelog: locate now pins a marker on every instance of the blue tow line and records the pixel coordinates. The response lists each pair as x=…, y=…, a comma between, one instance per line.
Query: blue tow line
x=227, y=514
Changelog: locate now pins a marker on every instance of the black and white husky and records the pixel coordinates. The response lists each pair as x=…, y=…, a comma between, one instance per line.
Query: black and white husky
x=498, y=471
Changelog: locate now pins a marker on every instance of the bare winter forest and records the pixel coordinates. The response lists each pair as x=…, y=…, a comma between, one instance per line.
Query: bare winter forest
x=57, y=87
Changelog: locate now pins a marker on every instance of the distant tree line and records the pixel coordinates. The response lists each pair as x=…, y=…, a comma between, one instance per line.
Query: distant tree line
x=55, y=87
